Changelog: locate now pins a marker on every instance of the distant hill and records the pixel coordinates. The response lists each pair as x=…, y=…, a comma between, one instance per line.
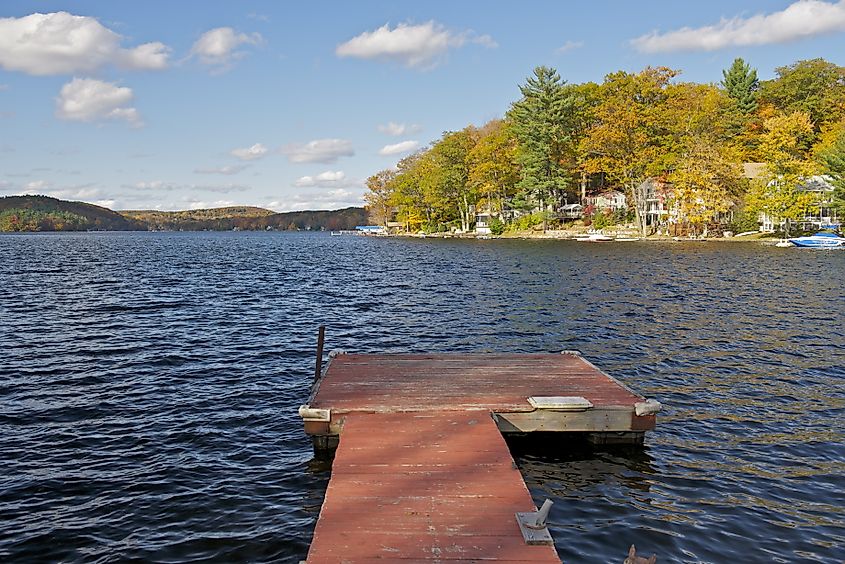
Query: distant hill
x=249, y=219
x=334, y=220
x=42, y=213
x=191, y=220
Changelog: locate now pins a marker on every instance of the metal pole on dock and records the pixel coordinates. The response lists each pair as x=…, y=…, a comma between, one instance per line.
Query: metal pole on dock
x=321, y=336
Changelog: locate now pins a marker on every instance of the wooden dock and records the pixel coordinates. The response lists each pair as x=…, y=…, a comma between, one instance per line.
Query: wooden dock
x=421, y=470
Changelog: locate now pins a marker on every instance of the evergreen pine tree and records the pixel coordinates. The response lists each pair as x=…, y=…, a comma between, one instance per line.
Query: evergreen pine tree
x=540, y=125
x=741, y=84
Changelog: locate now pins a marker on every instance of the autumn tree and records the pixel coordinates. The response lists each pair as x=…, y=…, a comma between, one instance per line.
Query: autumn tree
x=445, y=183
x=815, y=87
x=704, y=167
x=784, y=148
x=626, y=142
x=540, y=123
x=705, y=182
x=407, y=191
x=832, y=159
x=379, y=199
x=493, y=173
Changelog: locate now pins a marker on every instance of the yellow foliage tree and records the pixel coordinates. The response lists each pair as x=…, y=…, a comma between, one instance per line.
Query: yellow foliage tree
x=784, y=147
x=492, y=165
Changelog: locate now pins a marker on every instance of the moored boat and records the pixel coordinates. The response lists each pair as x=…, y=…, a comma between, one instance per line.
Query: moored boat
x=595, y=238
x=821, y=240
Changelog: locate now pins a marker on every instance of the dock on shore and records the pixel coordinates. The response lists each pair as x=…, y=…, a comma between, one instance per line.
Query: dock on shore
x=421, y=470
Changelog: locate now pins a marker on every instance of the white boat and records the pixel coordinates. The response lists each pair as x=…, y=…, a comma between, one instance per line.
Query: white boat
x=595, y=238
x=821, y=240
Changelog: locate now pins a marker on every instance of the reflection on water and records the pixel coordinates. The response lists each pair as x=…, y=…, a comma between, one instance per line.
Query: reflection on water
x=149, y=386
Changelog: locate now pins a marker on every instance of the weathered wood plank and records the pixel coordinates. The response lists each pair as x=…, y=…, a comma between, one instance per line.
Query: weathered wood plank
x=414, y=488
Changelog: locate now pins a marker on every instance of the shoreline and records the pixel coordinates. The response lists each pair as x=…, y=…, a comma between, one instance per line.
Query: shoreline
x=555, y=235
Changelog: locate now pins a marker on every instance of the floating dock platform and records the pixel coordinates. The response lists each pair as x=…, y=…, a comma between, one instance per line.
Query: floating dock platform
x=421, y=470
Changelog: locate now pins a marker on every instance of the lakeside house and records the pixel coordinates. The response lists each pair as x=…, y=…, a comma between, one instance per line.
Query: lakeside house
x=607, y=201
x=822, y=215
x=663, y=213
x=371, y=229
x=571, y=211
x=482, y=223
x=657, y=195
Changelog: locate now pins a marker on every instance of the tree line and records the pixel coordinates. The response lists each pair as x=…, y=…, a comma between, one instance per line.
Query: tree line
x=559, y=140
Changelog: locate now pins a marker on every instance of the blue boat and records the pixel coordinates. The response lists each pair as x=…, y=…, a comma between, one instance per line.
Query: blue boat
x=821, y=240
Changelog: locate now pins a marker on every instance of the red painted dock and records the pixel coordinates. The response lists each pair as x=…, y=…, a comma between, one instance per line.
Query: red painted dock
x=422, y=472
x=433, y=487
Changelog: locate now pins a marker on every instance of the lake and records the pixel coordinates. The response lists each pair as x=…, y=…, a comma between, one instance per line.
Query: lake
x=149, y=385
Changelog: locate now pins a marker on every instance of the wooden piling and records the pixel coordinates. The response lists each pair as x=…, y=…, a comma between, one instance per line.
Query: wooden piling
x=321, y=337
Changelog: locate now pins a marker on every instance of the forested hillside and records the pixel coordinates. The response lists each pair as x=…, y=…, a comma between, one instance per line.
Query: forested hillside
x=249, y=218
x=42, y=213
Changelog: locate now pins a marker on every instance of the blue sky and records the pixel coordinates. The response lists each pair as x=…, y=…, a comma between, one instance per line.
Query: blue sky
x=179, y=105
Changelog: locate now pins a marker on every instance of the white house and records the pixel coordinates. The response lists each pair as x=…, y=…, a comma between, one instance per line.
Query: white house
x=571, y=211
x=482, y=223
x=612, y=200
x=824, y=216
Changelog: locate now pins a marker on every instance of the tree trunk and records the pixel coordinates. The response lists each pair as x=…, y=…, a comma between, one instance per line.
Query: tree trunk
x=639, y=208
x=465, y=216
x=583, y=187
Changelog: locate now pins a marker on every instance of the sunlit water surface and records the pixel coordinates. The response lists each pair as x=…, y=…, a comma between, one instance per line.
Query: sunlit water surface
x=149, y=385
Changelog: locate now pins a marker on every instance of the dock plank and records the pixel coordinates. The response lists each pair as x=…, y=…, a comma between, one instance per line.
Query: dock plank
x=414, y=489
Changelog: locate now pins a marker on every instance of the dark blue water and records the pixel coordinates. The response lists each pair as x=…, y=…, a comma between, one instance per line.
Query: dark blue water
x=149, y=385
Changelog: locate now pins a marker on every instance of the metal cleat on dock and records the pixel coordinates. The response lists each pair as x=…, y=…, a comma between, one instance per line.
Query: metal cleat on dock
x=647, y=407
x=309, y=413
x=532, y=524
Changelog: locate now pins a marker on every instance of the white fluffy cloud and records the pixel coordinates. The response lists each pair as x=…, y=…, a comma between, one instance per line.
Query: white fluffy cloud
x=399, y=148
x=250, y=153
x=90, y=100
x=414, y=46
x=569, y=46
x=225, y=170
x=328, y=178
x=160, y=186
x=324, y=151
x=329, y=200
x=218, y=47
x=35, y=187
x=799, y=20
x=396, y=129
x=61, y=43
x=205, y=205
x=85, y=192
